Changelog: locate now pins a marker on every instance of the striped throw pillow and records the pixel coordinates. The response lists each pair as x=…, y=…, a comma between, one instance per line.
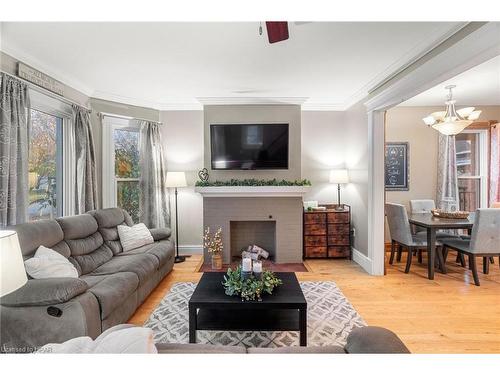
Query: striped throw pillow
x=133, y=237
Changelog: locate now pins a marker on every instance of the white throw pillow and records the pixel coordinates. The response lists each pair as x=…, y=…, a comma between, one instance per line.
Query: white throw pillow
x=116, y=340
x=133, y=237
x=47, y=263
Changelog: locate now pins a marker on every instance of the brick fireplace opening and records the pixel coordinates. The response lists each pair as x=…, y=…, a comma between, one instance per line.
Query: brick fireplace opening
x=245, y=233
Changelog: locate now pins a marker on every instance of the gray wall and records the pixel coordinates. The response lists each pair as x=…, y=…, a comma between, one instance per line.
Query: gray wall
x=182, y=136
x=332, y=140
x=255, y=114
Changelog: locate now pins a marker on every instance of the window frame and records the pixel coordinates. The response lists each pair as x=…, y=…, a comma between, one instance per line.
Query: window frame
x=109, y=183
x=64, y=169
x=482, y=177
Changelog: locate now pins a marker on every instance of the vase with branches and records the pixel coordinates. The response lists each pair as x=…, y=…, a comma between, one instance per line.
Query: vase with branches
x=213, y=245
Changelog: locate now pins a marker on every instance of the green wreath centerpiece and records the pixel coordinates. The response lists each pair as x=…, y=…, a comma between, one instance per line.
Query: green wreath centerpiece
x=251, y=288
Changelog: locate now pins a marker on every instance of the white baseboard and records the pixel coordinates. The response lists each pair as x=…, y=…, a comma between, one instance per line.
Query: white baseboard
x=362, y=260
x=190, y=249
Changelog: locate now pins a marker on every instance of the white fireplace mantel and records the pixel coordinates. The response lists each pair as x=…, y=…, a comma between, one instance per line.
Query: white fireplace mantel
x=252, y=191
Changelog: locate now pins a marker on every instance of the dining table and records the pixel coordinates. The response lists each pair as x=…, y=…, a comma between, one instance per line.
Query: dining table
x=432, y=224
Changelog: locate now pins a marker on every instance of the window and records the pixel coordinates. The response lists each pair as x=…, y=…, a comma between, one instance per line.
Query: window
x=45, y=166
x=126, y=145
x=471, y=151
x=121, y=163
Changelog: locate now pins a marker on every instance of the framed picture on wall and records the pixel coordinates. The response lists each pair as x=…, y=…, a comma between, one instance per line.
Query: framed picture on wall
x=396, y=166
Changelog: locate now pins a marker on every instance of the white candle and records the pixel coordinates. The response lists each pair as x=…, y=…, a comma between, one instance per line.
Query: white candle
x=257, y=267
x=246, y=264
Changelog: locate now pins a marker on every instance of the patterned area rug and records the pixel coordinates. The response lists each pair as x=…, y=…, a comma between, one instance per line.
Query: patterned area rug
x=330, y=318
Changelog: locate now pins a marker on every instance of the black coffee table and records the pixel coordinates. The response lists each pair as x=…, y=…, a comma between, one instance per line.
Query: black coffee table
x=211, y=309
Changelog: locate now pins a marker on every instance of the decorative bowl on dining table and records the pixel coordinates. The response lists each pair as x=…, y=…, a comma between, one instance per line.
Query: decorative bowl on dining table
x=450, y=215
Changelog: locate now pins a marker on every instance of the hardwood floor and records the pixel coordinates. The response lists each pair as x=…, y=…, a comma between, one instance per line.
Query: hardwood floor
x=446, y=315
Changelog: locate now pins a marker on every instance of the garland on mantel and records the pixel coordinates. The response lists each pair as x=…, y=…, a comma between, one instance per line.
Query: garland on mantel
x=254, y=182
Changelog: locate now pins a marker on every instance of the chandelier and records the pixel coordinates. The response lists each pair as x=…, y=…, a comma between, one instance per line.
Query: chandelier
x=452, y=121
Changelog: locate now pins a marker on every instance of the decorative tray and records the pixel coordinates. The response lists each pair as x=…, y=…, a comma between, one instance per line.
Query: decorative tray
x=450, y=215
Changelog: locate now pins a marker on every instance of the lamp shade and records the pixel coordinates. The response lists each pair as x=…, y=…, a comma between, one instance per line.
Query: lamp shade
x=13, y=275
x=176, y=179
x=339, y=176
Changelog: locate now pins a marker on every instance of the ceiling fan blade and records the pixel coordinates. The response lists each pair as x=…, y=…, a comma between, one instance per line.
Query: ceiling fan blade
x=277, y=31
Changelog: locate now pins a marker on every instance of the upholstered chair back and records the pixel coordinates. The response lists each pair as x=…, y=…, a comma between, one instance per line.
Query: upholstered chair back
x=422, y=206
x=485, y=236
x=399, y=227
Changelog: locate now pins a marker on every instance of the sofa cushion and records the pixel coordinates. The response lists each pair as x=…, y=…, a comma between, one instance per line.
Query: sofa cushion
x=107, y=220
x=40, y=233
x=112, y=290
x=376, y=340
x=160, y=233
x=79, y=226
x=168, y=348
x=143, y=265
x=162, y=250
x=86, y=244
x=43, y=292
x=111, y=217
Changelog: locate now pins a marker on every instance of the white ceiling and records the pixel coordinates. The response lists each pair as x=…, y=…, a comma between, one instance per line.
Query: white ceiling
x=178, y=65
x=477, y=86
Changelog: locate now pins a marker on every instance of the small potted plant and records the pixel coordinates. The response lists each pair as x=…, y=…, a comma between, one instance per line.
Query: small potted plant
x=214, y=247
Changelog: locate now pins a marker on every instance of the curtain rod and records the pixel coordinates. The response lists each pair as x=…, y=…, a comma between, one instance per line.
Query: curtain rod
x=102, y=114
x=47, y=92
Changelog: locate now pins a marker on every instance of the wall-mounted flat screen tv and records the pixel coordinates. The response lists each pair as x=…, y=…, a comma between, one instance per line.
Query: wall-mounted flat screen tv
x=249, y=146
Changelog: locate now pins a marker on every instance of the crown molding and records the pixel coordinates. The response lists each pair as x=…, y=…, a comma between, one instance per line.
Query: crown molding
x=251, y=100
x=323, y=106
x=172, y=106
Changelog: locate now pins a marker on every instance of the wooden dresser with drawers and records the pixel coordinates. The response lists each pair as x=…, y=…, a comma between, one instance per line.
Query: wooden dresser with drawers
x=327, y=234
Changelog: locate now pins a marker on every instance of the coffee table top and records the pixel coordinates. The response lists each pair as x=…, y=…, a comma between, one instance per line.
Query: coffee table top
x=210, y=293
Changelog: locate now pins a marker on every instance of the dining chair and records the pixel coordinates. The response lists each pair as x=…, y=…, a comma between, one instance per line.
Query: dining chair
x=484, y=241
x=425, y=206
x=400, y=231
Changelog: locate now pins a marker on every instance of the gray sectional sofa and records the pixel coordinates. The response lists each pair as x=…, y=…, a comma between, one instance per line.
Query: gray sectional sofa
x=363, y=340
x=110, y=287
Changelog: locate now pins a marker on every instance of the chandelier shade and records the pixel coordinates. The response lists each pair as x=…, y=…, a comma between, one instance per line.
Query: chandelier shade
x=452, y=121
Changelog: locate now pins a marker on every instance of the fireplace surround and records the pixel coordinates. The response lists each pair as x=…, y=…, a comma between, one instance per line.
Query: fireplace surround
x=253, y=216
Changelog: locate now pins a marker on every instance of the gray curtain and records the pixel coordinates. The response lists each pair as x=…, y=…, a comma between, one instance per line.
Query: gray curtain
x=14, y=130
x=447, y=182
x=154, y=201
x=86, y=183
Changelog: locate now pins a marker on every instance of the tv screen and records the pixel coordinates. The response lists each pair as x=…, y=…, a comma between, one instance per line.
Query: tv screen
x=249, y=146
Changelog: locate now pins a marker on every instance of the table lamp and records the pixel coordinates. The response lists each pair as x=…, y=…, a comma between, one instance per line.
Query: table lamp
x=176, y=180
x=339, y=176
x=12, y=275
